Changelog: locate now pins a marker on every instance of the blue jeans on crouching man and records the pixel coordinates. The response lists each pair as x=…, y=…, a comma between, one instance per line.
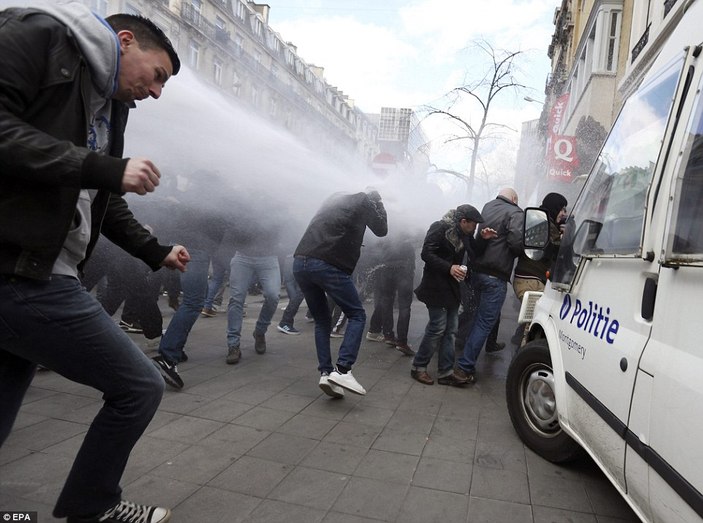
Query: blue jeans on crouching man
x=439, y=337
x=489, y=293
x=58, y=325
x=319, y=279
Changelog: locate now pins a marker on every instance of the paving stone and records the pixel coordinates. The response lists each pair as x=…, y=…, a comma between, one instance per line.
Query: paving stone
x=371, y=498
x=439, y=474
x=283, y=448
x=504, y=485
x=422, y=505
x=310, y=487
x=482, y=510
x=251, y=476
x=387, y=466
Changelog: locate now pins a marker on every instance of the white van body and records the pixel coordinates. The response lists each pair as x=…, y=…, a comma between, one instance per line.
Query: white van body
x=620, y=323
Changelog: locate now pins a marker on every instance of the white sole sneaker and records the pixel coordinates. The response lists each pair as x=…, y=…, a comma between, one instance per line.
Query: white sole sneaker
x=329, y=388
x=346, y=381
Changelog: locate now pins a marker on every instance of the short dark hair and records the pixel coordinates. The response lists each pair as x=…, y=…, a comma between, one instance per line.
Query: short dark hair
x=147, y=33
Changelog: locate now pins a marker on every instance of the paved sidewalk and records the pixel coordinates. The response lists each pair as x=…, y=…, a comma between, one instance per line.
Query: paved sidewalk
x=259, y=442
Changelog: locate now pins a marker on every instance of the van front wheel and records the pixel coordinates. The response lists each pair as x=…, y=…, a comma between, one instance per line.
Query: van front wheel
x=530, y=394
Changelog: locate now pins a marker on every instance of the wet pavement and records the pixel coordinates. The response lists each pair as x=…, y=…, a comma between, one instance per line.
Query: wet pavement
x=259, y=442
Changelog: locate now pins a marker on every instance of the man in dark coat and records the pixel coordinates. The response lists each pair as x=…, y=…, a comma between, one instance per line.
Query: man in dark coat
x=447, y=247
x=324, y=261
x=493, y=269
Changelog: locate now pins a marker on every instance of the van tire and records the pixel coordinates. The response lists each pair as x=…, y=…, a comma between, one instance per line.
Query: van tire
x=529, y=391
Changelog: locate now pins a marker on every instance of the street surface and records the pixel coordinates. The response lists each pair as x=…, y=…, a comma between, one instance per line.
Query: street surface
x=259, y=442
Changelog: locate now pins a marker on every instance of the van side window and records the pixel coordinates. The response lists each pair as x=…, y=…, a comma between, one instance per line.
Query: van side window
x=608, y=218
x=688, y=231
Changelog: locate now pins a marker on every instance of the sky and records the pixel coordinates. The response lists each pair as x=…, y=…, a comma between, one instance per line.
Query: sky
x=411, y=53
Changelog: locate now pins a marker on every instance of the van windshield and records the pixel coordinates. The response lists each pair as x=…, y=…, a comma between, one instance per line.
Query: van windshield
x=608, y=218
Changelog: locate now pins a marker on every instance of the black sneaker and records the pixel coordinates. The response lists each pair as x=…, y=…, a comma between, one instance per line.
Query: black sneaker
x=184, y=357
x=127, y=512
x=169, y=371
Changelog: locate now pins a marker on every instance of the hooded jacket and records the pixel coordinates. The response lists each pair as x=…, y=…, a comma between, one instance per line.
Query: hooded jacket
x=443, y=247
x=335, y=234
x=52, y=64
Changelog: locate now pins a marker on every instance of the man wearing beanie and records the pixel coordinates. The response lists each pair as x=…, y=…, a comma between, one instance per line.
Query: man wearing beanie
x=531, y=275
x=448, y=245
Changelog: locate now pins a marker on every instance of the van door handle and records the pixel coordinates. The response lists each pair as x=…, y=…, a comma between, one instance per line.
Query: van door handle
x=649, y=298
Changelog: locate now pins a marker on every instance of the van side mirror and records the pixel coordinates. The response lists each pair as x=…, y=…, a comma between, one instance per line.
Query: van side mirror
x=535, y=232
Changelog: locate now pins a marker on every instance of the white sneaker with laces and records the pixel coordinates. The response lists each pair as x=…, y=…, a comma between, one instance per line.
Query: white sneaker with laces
x=330, y=388
x=128, y=512
x=375, y=336
x=346, y=381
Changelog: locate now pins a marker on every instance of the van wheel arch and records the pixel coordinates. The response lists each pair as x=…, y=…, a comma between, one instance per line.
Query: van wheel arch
x=530, y=396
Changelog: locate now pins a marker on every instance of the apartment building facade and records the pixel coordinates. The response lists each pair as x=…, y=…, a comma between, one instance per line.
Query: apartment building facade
x=599, y=51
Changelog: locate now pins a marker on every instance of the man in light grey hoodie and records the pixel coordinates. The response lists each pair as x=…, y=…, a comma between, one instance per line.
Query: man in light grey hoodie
x=67, y=81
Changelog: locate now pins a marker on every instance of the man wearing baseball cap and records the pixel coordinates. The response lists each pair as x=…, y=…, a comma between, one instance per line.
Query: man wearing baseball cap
x=447, y=253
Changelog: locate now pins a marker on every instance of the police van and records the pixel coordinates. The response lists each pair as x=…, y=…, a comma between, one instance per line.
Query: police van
x=613, y=363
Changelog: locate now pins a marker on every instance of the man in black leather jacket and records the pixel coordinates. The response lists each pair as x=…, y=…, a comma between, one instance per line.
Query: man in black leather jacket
x=67, y=79
x=324, y=261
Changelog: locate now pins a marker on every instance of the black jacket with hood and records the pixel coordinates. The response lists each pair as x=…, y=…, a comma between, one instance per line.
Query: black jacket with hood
x=50, y=66
x=443, y=247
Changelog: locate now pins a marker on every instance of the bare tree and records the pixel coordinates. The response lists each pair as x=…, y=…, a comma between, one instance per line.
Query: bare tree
x=499, y=77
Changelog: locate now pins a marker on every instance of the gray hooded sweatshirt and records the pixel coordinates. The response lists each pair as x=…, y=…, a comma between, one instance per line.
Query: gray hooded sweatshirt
x=99, y=47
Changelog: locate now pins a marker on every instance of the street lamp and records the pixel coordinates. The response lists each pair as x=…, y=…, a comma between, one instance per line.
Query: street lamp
x=530, y=99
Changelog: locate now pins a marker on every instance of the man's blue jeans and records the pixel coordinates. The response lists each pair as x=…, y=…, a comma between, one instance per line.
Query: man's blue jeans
x=58, y=325
x=243, y=270
x=318, y=279
x=490, y=295
x=194, y=287
x=295, y=295
x=220, y=268
x=439, y=337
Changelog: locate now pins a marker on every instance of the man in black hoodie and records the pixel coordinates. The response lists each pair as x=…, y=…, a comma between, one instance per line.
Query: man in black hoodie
x=324, y=261
x=67, y=79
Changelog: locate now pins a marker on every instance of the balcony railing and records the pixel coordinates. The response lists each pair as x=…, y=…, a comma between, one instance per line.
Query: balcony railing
x=668, y=4
x=641, y=44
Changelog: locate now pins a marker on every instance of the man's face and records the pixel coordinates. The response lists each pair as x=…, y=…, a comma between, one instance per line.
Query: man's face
x=143, y=73
x=467, y=226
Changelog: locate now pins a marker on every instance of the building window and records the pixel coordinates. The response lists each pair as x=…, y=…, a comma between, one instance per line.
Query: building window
x=239, y=44
x=273, y=108
x=193, y=55
x=236, y=84
x=240, y=10
x=217, y=71
x=255, y=96
x=612, y=42
x=607, y=39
